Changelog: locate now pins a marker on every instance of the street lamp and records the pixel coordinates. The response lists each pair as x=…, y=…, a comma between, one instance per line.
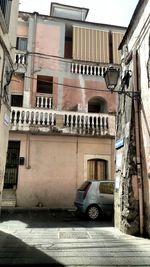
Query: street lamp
x=111, y=76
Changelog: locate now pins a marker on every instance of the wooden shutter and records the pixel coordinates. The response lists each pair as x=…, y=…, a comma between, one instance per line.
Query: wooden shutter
x=116, y=40
x=90, y=45
x=96, y=169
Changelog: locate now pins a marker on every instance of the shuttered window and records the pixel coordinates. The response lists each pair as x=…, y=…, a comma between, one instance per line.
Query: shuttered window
x=116, y=40
x=90, y=45
x=97, y=169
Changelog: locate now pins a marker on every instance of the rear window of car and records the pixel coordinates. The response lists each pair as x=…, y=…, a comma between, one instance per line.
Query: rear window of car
x=106, y=188
x=84, y=186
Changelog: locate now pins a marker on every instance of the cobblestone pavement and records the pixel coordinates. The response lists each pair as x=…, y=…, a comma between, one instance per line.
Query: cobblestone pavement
x=60, y=238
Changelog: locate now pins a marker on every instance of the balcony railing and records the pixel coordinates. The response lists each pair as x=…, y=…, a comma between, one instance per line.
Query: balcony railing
x=87, y=69
x=44, y=102
x=20, y=61
x=64, y=122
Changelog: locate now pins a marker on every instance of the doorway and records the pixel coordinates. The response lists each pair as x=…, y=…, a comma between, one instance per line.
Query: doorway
x=12, y=163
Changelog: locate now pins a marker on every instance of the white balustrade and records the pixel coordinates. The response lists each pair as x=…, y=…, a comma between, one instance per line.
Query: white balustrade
x=95, y=70
x=44, y=102
x=21, y=58
x=25, y=119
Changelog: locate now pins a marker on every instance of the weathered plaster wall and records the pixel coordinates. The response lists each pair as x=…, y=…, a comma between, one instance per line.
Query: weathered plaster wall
x=56, y=166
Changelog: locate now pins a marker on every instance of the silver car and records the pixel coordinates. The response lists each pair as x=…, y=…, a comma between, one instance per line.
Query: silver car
x=95, y=198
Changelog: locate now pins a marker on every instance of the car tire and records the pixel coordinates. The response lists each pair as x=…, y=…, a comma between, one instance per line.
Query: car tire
x=93, y=212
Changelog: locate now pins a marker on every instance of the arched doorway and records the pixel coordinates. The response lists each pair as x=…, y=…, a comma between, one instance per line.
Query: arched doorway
x=97, y=105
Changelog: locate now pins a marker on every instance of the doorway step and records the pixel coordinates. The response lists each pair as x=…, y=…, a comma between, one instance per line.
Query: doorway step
x=9, y=198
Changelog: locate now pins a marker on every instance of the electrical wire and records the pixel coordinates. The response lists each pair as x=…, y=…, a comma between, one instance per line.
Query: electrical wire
x=65, y=85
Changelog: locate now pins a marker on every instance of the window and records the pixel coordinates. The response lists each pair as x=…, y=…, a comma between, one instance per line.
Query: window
x=84, y=186
x=44, y=84
x=106, y=188
x=97, y=169
x=5, y=9
x=68, y=41
x=21, y=44
x=16, y=100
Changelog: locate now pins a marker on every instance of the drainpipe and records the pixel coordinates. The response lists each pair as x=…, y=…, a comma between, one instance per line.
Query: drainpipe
x=27, y=164
x=138, y=142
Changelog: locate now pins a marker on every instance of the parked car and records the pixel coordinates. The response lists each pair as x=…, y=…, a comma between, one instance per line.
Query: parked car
x=95, y=198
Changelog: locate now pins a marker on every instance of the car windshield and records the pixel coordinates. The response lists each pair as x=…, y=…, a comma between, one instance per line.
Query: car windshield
x=84, y=186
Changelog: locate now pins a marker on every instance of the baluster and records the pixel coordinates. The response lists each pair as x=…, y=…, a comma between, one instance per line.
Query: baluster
x=52, y=119
x=92, y=123
x=72, y=67
x=105, y=125
x=46, y=102
x=96, y=124
x=80, y=68
x=87, y=69
x=37, y=101
x=29, y=117
x=38, y=118
x=15, y=118
x=75, y=121
x=11, y=117
x=34, y=117
x=43, y=118
x=91, y=70
x=83, y=70
x=19, y=118
x=83, y=122
x=50, y=102
x=42, y=101
x=88, y=123
x=46, y=119
x=76, y=68
x=23, y=59
x=67, y=120
x=95, y=68
x=71, y=121
x=98, y=70
x=102, y=71
x=101, y=123
x=80, y=124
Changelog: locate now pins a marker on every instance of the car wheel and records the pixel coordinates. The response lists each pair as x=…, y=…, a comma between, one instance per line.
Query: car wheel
x=93, y=212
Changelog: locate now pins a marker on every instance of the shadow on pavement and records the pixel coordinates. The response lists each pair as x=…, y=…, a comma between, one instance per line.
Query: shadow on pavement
x=14, y=252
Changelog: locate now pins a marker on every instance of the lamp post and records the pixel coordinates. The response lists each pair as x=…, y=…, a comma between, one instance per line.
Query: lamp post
x=111, y=77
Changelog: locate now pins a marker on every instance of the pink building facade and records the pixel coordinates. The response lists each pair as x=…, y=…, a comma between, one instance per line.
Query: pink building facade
x=62, y=118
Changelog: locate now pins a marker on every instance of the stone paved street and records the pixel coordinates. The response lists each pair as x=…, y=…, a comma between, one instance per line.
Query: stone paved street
x=60, y=238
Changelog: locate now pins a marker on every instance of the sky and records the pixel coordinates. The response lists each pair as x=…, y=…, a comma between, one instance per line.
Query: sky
x=114, y=12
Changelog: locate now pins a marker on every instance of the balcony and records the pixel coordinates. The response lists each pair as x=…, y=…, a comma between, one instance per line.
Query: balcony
x=61, y=122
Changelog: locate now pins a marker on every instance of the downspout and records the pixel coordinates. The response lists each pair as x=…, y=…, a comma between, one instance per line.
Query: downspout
x=27, y=164
x=138, y=143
